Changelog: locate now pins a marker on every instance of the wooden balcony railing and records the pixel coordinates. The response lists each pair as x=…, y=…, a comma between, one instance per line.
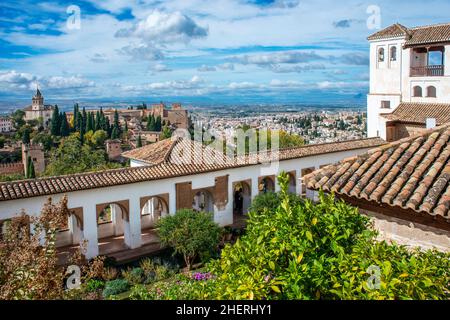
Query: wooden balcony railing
x=427, y=71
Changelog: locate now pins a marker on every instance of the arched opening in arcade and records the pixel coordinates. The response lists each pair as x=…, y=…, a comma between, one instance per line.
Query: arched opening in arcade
x=203, y=201
x=242, y=197
x=153, y=210
x=266, y=185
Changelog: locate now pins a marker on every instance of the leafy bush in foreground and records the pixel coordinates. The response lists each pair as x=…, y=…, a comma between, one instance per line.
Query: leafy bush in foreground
x=326, y=250
x=115, y=287
x=189, y=233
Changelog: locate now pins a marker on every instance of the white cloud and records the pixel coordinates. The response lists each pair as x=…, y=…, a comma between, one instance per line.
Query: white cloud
x=243, y=85
x=159, y=67
x=206, y=68
x=226, y=66
x=162, y=27
x=11, y=79
x=289, y=57
x=142, y=52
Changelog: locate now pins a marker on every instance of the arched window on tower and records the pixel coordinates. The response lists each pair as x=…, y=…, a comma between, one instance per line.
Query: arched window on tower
x=431, y=92
x=417, y=91
x=393, y=53
x=381, y=54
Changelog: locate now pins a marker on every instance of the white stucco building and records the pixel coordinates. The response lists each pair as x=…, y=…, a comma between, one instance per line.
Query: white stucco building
x=409, y=79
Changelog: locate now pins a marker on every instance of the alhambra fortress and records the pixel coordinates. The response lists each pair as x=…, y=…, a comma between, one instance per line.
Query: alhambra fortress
x=399, y=175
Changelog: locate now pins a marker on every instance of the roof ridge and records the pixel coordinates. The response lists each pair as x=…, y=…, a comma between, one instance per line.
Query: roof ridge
x=430, y=26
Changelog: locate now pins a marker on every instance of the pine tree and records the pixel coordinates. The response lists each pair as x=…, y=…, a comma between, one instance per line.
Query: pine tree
x=139, y=142
x=55, y=122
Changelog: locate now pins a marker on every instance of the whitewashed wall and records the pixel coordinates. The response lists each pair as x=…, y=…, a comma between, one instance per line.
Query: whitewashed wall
x=88, y=199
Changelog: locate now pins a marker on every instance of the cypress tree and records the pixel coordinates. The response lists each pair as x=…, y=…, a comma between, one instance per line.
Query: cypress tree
x=55, y=123
x=116, y=122
x=139, y=142
x=151, y=125
x=75, y=117
x=64, y=126
x=26, y=136
x=108, y=127
x=31, y=171
x=115, y=133
x=84, y=120
x=90, y=122
x=158, y=126
x=98, y=125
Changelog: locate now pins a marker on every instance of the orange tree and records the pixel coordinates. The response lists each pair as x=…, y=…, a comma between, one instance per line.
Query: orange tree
x=324, y=250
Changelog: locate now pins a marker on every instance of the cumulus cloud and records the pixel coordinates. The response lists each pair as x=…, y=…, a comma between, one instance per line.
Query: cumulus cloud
x=206, y=68
x=11, y=79
x=162, y=27
x=142, y=52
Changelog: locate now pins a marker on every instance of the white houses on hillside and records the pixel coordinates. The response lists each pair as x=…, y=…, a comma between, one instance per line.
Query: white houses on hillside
x=409, y=79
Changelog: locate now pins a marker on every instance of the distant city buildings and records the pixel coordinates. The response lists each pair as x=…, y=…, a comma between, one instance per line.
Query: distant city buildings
x=313, y=127
x=6, y=124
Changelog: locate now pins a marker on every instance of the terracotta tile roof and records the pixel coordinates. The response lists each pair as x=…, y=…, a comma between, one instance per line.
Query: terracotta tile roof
x=418, y=113
x=395, y=30
x=412, y=173
x=153, y=153
x=437, y=33
x=211, y=160
x=429, y=34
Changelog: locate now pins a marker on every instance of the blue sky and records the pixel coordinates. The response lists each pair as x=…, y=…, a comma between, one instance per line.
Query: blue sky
x=234, y=50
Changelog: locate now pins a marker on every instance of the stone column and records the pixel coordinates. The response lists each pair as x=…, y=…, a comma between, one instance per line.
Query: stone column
x=132, y=228
x=90, y=232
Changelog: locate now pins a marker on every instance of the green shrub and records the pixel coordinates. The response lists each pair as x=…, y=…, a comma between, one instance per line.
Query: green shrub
x=94, y=285
x=189, y=233
x=134, y=276
x=115, y=287
x=162, y=272
x=302, y=250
